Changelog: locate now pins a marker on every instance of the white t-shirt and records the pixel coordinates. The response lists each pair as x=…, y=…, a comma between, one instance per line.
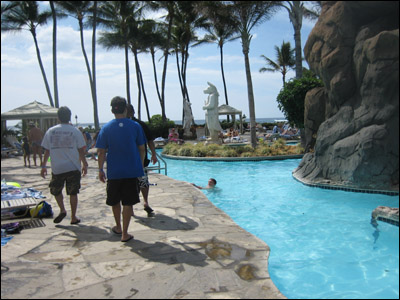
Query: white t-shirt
x=63, y=142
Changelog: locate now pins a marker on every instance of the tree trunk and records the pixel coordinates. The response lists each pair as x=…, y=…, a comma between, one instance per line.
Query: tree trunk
x=128, y=87
x=139, y=106
x=53, y=12
x=223, y=78
x=155, y=74
x=253, y=135
x=94, y=88
x=42, y=69
x=144, y=92
x=299, y=57
x=164, y=74
x=86, y=59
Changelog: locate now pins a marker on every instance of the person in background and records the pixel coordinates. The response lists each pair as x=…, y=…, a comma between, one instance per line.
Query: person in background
x=173, y=136
x=66, y=147
x=35, y=136
x=124, y=140
x=144, y=181
x=27, y=151
x=89, y=141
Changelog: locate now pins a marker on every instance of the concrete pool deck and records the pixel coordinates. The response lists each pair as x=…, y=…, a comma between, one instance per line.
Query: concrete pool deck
x=190, y=249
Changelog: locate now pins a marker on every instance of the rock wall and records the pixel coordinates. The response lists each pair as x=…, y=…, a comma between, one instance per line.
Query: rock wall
x=354, y=120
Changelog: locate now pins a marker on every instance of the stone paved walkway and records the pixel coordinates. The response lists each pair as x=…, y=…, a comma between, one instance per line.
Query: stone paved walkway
x=191, y=249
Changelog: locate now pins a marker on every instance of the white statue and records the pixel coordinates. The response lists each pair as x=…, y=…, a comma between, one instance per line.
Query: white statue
x=188, y=118
x=211, y=107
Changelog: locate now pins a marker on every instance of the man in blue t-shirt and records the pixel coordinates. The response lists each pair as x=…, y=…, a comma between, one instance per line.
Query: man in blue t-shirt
x=124, y=140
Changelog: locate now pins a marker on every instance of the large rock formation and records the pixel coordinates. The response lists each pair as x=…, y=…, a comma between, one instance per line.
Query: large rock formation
x=354, y=119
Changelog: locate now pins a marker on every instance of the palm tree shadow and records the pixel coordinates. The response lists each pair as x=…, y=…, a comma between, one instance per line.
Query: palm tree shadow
x=164, y=222
x=167, y=254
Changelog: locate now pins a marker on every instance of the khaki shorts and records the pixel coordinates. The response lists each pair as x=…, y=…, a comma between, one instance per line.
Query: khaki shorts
x=72, y=183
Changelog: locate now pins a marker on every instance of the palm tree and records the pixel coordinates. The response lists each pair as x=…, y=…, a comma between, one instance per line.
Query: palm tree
x=116, y=15
x=165, y=45
x=284, y=61
x=55, y=14
x=222, y=30
x=137, y=43
x=25, y=15
x=297, y=10
x=248, y=15
x=153, y=38
x=79, y=10
x=186, y=21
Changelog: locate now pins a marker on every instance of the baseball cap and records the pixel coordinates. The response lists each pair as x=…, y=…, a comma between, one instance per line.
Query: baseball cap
x=118, y=105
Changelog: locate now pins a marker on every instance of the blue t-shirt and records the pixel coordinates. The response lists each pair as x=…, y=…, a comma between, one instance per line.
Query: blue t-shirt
x=121, y=137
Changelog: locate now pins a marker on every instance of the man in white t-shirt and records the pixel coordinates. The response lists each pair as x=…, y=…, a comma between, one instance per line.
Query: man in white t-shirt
x=66, y=147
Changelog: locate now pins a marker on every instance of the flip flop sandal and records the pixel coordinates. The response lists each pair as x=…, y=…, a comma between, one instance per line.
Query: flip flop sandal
x=150, y=211
x=59, y=218
x=127, y=240
x=116, y=232
x=76, y=222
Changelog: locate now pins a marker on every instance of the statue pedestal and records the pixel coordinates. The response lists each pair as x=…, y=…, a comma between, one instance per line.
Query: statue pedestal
x=211, y=142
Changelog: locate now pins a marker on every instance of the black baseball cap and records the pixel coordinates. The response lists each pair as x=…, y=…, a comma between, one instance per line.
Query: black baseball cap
x=118, y=105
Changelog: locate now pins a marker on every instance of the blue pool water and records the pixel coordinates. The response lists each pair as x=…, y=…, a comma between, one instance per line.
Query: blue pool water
x=322, y=243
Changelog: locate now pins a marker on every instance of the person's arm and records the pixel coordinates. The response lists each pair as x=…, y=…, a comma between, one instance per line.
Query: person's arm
x=153, y=151
x=101, y=153
x=142, y=153
x=199, y=187
x=83, y=160
x=43, y=171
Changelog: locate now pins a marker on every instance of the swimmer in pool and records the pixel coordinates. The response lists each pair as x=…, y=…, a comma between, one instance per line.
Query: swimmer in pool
x=211, y=184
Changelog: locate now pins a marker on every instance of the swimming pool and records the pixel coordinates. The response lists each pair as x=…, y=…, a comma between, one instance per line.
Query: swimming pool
x=322, y=243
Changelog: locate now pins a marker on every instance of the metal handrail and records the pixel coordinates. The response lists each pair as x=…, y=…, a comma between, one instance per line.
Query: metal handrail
x=157, y=167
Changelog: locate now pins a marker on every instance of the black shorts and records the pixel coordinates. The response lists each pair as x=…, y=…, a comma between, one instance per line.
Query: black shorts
x=72, y=180
x=124, y=190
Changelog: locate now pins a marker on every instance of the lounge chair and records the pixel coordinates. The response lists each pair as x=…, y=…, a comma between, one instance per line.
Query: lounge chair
x=15, y=146
x=11, y=205
x=160, y=142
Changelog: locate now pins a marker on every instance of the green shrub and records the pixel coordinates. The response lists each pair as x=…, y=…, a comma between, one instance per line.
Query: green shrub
x=198, y=152
x=185, y=151
x=291, y=98
x=158, y=127
x=279, y=144
x=263, y=150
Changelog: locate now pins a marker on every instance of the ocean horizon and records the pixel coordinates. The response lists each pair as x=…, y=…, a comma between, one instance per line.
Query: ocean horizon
x=203, y=121
x=177, y=122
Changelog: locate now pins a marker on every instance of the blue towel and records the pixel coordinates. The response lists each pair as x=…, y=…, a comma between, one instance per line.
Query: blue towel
x=4, y=240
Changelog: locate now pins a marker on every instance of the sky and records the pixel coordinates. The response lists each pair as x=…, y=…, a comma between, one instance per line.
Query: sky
x=22, y=81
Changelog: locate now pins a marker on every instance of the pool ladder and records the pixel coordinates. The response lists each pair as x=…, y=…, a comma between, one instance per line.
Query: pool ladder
x=158, y=166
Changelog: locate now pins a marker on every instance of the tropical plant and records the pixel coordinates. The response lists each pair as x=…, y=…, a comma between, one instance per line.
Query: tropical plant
x=278, y=147
x=79, y=10
x=164, y=44
x=223, y=29
x=297, y=11
x=291, y=98
x=55, y=14
x=186, y=22
x=159, y=127
x=249, y=14
x=115, y=16
x=25, y=15
x=284, y=61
